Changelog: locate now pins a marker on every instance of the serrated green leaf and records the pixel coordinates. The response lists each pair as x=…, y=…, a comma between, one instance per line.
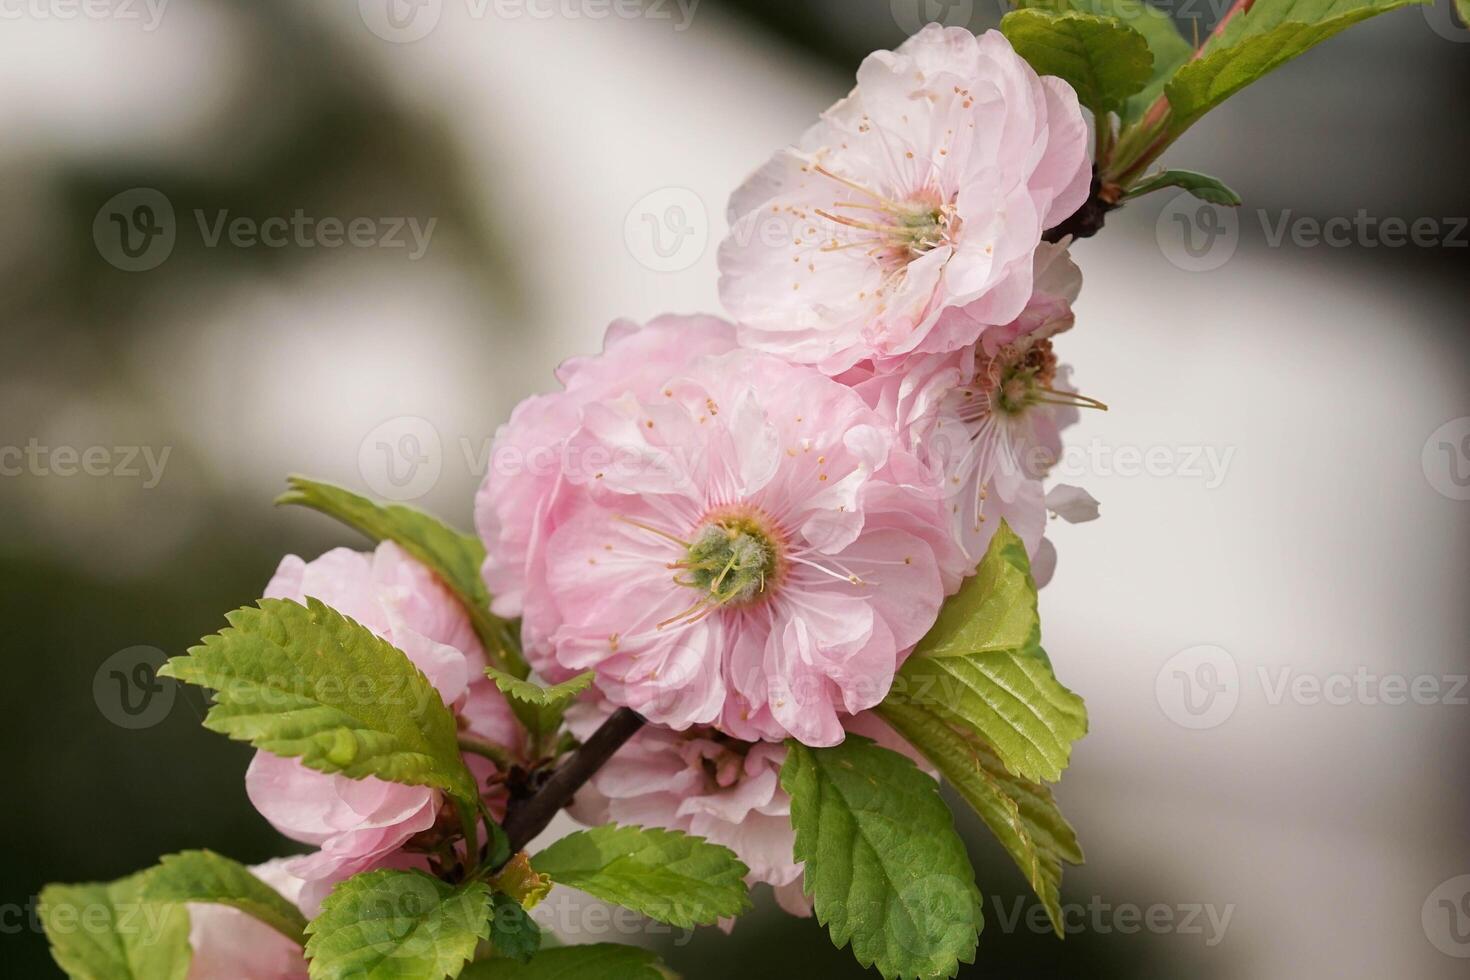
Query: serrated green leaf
x=597, y=961
x=1169, y=48
x=1102, y=58
x=1267, y=36
x=1202, y=186
x=994, y=610
x=1022, y=815
x=397, y=925
x=512, y=932
x=108, y=931
x=456, y=558
x=1010, y=698
x=207, y=877
x=539, y=708
x=308, y=682
x=884, y=867
x=981, y=668
x=669, y=876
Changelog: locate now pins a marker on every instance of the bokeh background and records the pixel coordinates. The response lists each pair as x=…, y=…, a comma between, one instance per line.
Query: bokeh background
x=1284, y=474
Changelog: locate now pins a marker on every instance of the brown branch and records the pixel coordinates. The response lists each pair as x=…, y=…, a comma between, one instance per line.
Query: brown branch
x=1087, y=220
x=527, y=818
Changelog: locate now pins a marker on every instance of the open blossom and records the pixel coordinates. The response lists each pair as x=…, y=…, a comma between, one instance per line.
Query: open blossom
x=750, y=557
x=703, y=782
x=229, y=944
x=987, y=419
x=357, y=824
x=927, y=189
x=518, y=503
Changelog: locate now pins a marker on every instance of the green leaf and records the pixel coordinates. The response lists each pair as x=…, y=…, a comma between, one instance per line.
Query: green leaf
x=597, y=961
x=539, y=708
x=1267, y=36
x=512, y=931
x=110, y=932
x=1009, y=698
x=994, y=610
x=1202, y=186
x=1021, y=814
x=395, y=925
x=207, y=877
x=884, y=867
x=981, y=667
x=669, y=876
x=1168, y=48
x=456, y=558
x=1104, y=59
x=307, y=681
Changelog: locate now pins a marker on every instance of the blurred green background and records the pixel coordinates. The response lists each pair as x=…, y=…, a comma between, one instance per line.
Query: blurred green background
x=529, y=140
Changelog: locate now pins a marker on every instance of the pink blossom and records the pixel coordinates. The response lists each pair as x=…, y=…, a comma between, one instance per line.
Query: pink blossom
x=703, y=782
x=755, y=560
x=518, y=503
x=925, y=190
x=358, y=823
x=230, y=945
x=987, y=419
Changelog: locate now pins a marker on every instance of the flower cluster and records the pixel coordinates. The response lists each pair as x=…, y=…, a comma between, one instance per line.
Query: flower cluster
x=742, y=529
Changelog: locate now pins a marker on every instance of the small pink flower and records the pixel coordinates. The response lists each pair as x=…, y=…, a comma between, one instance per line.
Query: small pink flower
x=703, y=782
x=358, y=824
x=518, y=503
x=925, y=190
x=752, y=558
x=987, y=419
x=229, y=944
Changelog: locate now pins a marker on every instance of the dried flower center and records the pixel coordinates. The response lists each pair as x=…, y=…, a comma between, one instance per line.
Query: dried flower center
x=1024, y=377
x=733, y=560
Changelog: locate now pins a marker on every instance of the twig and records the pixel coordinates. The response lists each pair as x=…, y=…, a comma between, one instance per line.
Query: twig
x=531, y=816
